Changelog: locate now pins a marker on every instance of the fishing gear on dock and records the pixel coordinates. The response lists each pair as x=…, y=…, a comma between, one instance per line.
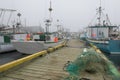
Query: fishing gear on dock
x=91, y=64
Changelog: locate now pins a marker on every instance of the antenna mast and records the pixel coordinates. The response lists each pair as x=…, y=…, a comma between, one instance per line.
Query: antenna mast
x=50, y=10
x=100, y=2
x=49, y=20
x=100, y=13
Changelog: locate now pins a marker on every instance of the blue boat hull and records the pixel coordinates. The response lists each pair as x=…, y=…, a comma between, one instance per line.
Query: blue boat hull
x=103, y=47
x=112, y=46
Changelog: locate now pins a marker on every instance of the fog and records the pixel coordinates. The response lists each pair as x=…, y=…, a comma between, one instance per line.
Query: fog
x=72, y=14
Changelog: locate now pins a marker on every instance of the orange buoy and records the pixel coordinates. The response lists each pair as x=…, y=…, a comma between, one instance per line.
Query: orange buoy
x=28, y=37
x=55, y=39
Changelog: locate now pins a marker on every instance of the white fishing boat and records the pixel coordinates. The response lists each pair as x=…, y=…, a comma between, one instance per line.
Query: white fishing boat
x=5, y=44
x=5, y=30
x=38, y=43
x=5, y=41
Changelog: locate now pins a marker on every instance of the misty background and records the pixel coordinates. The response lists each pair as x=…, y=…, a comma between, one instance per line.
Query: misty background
x=72, y=14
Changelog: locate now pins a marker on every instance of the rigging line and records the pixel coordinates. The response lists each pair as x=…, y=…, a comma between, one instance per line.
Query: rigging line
x=9, y=18
x=3, y=17
x=93, y=19
x=1, y=13
x=108, y=19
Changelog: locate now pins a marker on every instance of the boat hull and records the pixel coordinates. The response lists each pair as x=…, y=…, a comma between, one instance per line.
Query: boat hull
x=31, y=47
x=110, y=46
x=5, y=44
x=6, y=47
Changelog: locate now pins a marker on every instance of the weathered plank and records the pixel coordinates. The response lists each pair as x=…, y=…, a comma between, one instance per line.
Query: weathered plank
x=49, y=67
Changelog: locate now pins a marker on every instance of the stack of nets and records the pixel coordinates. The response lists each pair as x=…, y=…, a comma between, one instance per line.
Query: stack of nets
x=91, y=65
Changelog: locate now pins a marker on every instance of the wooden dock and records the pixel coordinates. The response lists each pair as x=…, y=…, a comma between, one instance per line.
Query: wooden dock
x=48, y=67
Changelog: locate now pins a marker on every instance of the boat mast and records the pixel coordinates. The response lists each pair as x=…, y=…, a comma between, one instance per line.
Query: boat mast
x=100, y=13
x=49, y=20
x=50, y=10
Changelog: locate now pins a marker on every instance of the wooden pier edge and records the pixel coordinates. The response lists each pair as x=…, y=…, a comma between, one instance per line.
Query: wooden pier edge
x=15, y=63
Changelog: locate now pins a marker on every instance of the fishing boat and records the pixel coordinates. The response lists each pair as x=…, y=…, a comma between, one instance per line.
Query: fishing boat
x=6, y=39
x=5, y=31
x=82, y=36
x=103, y=34
x=9, y=32
x=5, y=43
x=38, y=43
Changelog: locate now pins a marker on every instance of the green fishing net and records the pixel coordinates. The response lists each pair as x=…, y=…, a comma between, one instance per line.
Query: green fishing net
x=92, y=63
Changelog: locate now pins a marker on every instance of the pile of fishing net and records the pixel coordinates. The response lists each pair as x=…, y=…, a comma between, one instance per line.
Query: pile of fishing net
x=91, y=65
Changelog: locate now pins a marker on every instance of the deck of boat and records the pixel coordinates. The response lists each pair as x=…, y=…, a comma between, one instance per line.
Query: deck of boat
x=48, y=67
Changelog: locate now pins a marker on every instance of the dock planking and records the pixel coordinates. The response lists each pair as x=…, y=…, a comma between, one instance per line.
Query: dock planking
x=48, y=67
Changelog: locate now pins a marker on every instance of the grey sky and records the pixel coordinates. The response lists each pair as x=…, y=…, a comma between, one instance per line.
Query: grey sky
x=73, y=14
